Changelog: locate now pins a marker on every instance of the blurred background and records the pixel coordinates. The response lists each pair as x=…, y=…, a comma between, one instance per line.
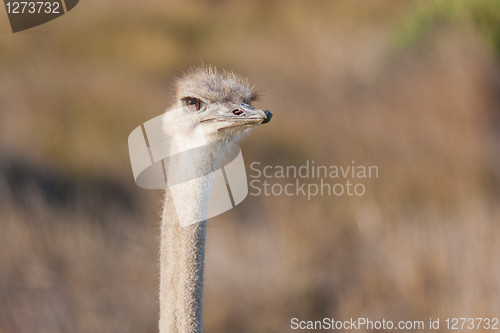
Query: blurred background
x=410, y=86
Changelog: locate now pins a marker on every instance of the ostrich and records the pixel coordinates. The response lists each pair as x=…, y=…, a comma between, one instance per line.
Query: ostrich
x=222, y=103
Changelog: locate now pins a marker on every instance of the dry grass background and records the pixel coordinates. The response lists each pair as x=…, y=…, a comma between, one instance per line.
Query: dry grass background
x=346, y=80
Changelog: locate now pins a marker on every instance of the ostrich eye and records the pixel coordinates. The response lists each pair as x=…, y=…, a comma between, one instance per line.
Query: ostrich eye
x=193, y=104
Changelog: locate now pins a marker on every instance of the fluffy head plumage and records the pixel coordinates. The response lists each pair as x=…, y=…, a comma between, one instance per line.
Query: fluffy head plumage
x=207, y=83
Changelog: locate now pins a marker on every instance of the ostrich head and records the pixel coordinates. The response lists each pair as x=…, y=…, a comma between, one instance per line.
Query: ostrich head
x=222, y=103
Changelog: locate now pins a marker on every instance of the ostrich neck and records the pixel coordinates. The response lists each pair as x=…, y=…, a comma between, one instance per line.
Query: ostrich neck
x=182, y=259
x=181, y=274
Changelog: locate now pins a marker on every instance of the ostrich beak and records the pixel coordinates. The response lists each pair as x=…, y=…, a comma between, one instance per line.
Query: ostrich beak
x=245, y=114
x=268, y=115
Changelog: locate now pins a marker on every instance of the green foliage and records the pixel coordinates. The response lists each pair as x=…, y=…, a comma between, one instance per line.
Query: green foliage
x=483, y=15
